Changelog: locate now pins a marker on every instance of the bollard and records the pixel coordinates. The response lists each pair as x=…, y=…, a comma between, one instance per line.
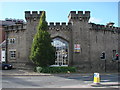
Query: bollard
x=96, y=78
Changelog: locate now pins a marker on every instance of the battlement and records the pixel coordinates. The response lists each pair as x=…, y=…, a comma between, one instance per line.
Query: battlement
x=58, y=25
x=79, y=15
x=32, y=15
x=104, y=27
x=15, y=27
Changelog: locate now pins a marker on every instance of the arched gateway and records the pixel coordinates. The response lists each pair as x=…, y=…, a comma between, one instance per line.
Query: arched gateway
x=62, y=50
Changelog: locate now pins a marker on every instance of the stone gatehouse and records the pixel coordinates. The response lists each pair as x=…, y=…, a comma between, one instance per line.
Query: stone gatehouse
x=78, y=42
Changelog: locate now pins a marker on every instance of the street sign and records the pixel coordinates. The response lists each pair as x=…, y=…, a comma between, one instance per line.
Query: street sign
x=76, y=47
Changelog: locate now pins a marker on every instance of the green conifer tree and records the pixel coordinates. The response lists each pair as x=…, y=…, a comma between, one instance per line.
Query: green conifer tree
x=42, y=52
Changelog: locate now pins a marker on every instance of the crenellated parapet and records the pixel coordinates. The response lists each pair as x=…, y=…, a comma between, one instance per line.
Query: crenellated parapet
x=16, y=27
x=34, y=15
x=104, y=27
x=59, y=26
x=79, y=15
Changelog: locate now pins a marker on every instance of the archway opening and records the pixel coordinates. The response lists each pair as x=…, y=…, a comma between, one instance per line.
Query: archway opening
x=62, y=51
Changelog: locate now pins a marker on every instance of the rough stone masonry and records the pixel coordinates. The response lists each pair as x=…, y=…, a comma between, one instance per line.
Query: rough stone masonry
x=83, y=42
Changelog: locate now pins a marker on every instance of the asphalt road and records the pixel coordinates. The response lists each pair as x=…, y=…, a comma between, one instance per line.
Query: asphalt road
x=60, y=81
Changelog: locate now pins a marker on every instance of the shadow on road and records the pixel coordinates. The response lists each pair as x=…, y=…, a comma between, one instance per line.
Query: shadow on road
x=90, y=77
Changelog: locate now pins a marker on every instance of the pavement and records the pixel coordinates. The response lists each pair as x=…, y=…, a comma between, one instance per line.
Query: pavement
x=94, y=85
x=17, y=72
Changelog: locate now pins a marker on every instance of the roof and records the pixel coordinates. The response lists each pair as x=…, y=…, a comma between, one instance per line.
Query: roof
x=9, y=22
x=6, y=23
x=3, y=43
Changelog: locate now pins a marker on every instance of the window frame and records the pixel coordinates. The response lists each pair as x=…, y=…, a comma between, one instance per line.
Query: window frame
x=12, y=54
x=11, y=40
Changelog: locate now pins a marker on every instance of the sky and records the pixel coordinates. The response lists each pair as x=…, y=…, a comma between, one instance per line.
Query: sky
x=101, y=12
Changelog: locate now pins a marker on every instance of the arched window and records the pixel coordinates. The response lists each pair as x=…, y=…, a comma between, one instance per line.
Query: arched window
x=62, y=51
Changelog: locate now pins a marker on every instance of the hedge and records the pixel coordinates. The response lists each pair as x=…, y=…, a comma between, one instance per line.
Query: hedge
x=55, y=69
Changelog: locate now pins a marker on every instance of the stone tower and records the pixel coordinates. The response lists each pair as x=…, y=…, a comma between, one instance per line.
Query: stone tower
x=80, y=36
x=32, y=19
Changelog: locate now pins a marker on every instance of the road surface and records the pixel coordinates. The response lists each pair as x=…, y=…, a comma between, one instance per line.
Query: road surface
x=60, y=81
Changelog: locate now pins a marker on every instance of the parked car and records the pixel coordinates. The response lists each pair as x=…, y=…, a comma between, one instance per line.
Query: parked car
x=6, y=66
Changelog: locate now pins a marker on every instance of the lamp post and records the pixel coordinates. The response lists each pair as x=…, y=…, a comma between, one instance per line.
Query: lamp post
x=118, y=66
x=117, y=58
x=105, y=65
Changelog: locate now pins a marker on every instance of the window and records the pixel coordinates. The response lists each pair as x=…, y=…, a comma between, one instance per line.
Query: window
x=61, y=51
x=11, y=40
x=12, y=54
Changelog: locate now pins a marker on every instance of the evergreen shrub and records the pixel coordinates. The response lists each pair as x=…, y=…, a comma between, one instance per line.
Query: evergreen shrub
x=55, y=69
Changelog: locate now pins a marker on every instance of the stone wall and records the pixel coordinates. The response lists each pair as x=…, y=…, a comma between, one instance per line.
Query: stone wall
x=103, y=40
x=92, y=38
x=17, y=32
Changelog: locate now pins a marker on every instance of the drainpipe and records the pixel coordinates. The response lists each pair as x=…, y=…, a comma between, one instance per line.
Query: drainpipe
x=6, y=52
